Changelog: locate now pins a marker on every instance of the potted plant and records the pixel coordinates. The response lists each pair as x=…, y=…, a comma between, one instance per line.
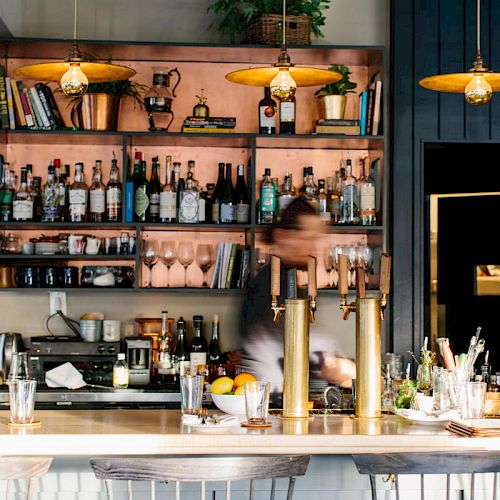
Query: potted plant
x=259, y=21
x=334, y=95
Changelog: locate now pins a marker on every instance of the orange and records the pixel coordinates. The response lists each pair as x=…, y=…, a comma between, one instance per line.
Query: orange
x=240, y=379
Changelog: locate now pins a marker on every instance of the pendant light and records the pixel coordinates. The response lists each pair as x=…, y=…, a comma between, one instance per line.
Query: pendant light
x=75, y=74
x=283, y=77
x=477, y=84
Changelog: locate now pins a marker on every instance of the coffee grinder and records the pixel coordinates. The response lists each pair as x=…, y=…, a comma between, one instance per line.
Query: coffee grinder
x=139, y=355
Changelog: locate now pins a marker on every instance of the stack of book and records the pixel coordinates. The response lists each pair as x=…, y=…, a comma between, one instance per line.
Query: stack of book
x=346, y=127
x=216, y=125
x=370, y=107
x=232, y=266
x=33, y=108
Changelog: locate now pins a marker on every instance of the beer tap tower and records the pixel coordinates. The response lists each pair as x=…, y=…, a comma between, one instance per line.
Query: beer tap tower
x=369, y=315
x=298, y=314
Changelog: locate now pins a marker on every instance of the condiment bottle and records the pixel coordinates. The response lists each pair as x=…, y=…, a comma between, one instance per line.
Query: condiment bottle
x=120, y=372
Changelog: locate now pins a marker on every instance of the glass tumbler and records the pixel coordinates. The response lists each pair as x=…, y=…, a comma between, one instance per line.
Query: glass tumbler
x=19, y=366
x=22, y=401
x=257, y=402
x=191, y=394
x=474, y=395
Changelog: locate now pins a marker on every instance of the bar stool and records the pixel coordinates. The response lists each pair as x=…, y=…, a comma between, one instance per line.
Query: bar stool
x=200, y=469
x=467, y=462
x=29, y=468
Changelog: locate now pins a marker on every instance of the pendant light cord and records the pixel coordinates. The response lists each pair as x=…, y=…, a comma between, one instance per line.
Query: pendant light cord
x=284, y=29
x=478, y=26
x=75, y=16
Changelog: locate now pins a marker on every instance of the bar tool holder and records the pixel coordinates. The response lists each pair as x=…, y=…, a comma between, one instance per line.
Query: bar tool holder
x=369, y=315
x=299, y=313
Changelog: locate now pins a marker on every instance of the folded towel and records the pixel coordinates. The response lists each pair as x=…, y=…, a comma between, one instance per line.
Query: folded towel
x=211, y=421
x=65, y=375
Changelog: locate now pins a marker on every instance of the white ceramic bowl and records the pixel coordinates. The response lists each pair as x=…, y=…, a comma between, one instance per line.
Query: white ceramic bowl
x=231, y=404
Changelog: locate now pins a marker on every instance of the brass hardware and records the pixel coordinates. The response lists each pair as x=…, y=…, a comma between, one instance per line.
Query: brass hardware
x=389, y=478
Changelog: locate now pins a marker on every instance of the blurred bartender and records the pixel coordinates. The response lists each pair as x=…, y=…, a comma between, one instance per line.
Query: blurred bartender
x=293, y=240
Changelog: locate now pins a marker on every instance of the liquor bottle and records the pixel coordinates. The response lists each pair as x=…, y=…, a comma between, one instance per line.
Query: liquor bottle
x=340, y=188
x=64, y=189
x=214, y=351
x=6, y=194
x=366, y=187
x=227, y=198
x=168, y=195
x=302, y=188
x=22, y=205
x=333, y=199
x=241, y=197
x=120, y=372
x=350, y=196
x=208, y=202
x=287, y=195
x=78, y=196
x=29, y=176
x=114, y=194
x=323, y=203
x=310, y=192
x=188, y=204
x=181, y=354
x=198, y=350
x=153, y=213
x=141, y=197
x=216, y=198
x=130, y=188
x=165, y=366
x=287, y=116
x=97, y=195
x=179, y=186
x=267, y=199
x=50, y=195
x=267, y=113
x=36, y=195
x=61, y=189
x=388, y=400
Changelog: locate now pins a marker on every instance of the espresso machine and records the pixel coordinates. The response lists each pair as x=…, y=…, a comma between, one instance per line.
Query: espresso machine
x=139, y=351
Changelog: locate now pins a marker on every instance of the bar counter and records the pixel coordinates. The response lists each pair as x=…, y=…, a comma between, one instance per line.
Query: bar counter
x=160, y=432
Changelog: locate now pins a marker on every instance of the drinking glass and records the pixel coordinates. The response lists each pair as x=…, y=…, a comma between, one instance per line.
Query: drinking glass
x=19, y=366
x=352, y=256
x=168, y=256
x=474, y=396
x=185, y=255
x=22, y=401
x=205, y=260
x=424, y=378
x=337, y=250
x=191, y=394
x=149, y=254
x=328, y=261
x=257, y=402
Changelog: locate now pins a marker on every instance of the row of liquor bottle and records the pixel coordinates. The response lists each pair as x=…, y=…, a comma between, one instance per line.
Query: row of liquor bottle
x=343, y=199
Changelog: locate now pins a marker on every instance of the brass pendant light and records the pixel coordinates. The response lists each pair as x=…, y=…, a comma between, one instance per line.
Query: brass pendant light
x=477, y=84
x=75, y=74
x=283, y=77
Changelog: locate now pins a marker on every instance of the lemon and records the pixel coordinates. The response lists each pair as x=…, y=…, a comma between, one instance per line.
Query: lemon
x=240, y=390
x=222, y=385
x=240, y=379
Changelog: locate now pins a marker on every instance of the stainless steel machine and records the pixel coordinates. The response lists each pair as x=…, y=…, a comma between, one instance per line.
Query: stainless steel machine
x=139, y=351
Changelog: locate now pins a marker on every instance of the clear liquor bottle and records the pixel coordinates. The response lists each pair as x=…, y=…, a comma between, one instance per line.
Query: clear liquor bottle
x=310, y=193
x=188, y=204
x=155, y=189
x=141, y=197
x=114, y=193
x=168, y=195
x=323, y=203
x=97, y=195
x=50, y=195
x=22, y=206
x=241, y=197
x=350, y=197
x=78, y=196
x=267, y=199
x=287, y=195
x=366, y=188
x=198, y=350
x=227, y=199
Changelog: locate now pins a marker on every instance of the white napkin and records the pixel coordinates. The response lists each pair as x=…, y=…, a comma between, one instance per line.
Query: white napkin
x=220, y=420
x=65, y=375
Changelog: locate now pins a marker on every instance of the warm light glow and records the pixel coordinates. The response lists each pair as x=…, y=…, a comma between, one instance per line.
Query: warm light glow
x=283, y=86
x=74, y=82
x=478, y=91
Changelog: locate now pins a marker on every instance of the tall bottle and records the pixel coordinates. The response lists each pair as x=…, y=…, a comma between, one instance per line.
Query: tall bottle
x=366, y=187
x=214, y=350
x=50, y=195
x=78, y=196
x=130, y=188
x=350, y=196
x=340, y=188
x=208, y=202
x=323, y=203
x=188, y=204
x=165, y=365
x=287, y=195
x=241, y=197
x=60, y=182
x=267, y=199
x=198, y=349
x=216, y=198
x=141, y=198
x=97, y=195
x=22, y=205
x=334, y=198
x=287, y=116
x=227, y=198
x=155, y=189
x=181, y=354
x=310, y=193
x=114, y=193
x=36, y=195
x=168, y=195
x=6, y=195
x=267, y=113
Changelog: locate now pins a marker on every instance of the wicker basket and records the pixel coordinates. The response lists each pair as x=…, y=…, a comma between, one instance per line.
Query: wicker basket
x=267, y=30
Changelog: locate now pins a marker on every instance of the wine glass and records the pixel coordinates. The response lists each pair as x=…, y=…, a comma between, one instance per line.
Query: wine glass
x=352, y=257
x=168, y=256
x=365, y=259
x=337, y=250
x=328, y=258
x=185, y=255
x=205, y=260
x=149, y=254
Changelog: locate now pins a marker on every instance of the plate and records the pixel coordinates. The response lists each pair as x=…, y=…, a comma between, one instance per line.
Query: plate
x=420, y=417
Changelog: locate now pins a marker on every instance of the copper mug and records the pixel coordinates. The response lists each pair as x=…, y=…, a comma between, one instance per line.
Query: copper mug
x=5, y=277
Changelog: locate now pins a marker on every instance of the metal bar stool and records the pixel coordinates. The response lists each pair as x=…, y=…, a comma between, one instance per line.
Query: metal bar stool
x=395, y=464
x=200, y=469
x=29, y=468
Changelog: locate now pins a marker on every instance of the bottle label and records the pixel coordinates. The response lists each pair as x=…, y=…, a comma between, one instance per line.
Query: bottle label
x=284, y=201
x=141, y=202
x=267, y=199
x=62, y=195
x=201, y=210
x=183, y=368
x=349, y=203
x=168, y=205
x=97, y=201
x=242, y=213
x=287, y=111
x=367, y=198
x=120, y=376
x=78, y=204
x=227, y=212
x=189, y=207
x=22, y=210
x=267, y=116
x=114, y=196
x=215, y=212
x=154, y=204
x=78, y=197
x=196, y=358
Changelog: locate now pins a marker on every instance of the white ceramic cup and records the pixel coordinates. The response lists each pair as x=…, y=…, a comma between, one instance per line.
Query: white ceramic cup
x=111, y=330
x=76, y=244
x=93, y=245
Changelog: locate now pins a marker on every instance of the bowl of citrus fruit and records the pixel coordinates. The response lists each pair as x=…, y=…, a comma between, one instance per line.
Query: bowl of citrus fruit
x=229, y=395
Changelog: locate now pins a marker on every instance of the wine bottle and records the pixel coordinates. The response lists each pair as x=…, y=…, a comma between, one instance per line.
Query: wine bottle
x=153, y=213
x=287, y=116
x=114, y=194
x=227, y=198
x=130, y=187
x=168, y=196
x=198, y=350
x=141, y=198
x=366, y=186
x=241, y=197
x=217, y=195
x=267, y=113
x=214, y=351
x=181, y=354
x=97, y=195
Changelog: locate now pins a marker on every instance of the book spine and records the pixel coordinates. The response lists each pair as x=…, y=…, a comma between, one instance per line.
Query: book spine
x=53, y=106
x=237, y=268
x=230, y=269
x=245, y=268
x=17, y=104
x=377, y=108
x=338, y=123
x=189, y=130
x=26, y=109
x=10, y=103
x=369, y=114
x=39, y=107
x=211, y=119
x=45, y=105
x=363, y=110
x=4, y=109
x=208, y=125
x=32, y=110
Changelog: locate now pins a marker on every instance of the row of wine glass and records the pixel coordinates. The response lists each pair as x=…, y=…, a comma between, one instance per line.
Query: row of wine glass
x=357, y=256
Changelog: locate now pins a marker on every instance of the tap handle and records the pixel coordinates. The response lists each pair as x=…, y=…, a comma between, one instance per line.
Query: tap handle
x=360, y=283
x=311, y=277
x=343, y=273
x=385, y=274
x=275, y=276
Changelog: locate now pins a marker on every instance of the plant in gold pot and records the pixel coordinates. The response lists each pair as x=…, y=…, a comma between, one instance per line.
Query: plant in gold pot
x=334, y=95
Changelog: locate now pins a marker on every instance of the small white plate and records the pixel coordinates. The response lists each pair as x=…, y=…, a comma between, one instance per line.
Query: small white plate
x=420, y=417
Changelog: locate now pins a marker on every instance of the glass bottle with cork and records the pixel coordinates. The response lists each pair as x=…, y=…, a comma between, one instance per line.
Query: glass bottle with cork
x=198, y=350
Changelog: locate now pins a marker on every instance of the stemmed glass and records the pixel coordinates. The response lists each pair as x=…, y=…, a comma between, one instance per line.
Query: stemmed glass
x=365, y=259
x=337, y=250
x=185, y=255
x=205, y=260
x=168, y=256
x=352, y=257
x=328, y=261
x=149, y=254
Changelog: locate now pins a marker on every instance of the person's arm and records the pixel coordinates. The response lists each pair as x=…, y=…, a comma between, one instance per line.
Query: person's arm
x=337, y=370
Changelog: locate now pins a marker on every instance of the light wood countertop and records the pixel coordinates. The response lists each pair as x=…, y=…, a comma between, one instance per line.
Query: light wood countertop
x=159, y=432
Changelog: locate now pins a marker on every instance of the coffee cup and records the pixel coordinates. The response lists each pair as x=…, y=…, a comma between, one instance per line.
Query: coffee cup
x=27, y=277
x=111, y=330
x=68, y=277
x=49, y=277
x=76, y=244
x=92, y=246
